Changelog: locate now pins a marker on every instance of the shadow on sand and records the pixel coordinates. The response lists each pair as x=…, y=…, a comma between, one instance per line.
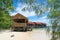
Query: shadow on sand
x=19, y=31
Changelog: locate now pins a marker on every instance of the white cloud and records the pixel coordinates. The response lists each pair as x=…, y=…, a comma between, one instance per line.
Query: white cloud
x=44, y=17
x=25, y=13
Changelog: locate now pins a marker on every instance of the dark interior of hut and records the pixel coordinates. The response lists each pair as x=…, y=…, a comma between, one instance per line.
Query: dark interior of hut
x=19, y=20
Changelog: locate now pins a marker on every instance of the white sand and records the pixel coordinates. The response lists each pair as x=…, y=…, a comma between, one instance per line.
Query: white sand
x=5, y=36
x=36, y=34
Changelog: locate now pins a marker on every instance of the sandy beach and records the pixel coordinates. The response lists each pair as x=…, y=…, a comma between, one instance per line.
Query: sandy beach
x=36, y=34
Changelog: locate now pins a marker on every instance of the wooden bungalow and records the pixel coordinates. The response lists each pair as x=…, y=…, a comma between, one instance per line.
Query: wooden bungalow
x=19, y=22
x=39, y=25
x=36, y=24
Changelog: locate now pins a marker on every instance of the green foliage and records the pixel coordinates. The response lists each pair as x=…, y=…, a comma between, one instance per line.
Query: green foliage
x=55, y=15
x=5, y=19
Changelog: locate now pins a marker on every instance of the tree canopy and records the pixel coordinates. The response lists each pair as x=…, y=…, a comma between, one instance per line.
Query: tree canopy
x=5, y=19
x=54, y=15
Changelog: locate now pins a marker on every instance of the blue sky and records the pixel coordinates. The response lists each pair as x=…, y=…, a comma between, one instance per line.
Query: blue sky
x=30, y=15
